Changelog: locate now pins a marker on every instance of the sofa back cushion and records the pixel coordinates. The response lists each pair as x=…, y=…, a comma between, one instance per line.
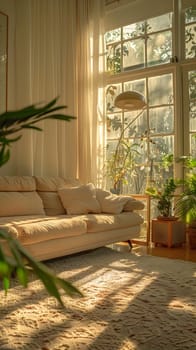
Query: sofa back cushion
x=17, y=183
x=20, y=203
x=110, y=203
x=47, y=188
x=52, y=203
x=53, y=183
x=80, y=199
x=18, y=196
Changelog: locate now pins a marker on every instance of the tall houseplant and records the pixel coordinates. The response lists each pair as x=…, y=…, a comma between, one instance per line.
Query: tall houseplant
x=19, y=261
x=186, y=204
x=121, y=161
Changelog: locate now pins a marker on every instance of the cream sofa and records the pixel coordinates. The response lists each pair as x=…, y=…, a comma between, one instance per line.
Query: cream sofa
x=53, y=217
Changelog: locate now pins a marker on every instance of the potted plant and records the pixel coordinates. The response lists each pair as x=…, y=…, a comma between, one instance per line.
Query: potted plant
x=166, y=228
x=121, y=164
x=164, y=197
x=186, y=204
x=121, y=161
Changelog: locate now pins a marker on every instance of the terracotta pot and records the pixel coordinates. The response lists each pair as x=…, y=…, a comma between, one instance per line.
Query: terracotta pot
x=167, y=218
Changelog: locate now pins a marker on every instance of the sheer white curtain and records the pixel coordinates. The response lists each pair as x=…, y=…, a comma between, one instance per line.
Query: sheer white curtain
x=45, y=45
x=90, y=66
x=57, y=46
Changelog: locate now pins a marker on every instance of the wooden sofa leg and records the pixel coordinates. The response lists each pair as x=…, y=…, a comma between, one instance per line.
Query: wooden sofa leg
x=130, y=244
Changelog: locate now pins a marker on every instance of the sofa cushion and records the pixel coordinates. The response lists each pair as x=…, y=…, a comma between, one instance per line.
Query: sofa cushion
x=50, y=228
x=133, y=204
x=20, y=203
x=17, y=183
x=80, y=200
x=108, y=222
x=53, y=183
x=52, y=203
x=110, y=203
x=114, y=204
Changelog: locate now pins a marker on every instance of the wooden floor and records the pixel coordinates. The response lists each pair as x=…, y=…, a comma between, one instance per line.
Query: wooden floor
x=183, y=253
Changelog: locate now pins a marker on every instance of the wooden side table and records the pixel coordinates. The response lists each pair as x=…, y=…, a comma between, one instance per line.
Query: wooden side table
x=168, y=232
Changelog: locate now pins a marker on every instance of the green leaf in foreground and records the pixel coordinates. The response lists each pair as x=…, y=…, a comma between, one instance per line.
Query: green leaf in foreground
x=9, y=265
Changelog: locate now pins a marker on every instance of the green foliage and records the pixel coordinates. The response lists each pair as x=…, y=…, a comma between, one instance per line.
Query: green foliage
x=12, y=122
x=164, y=196
x=21, y=263
x=18, y=261
x=121, y=162
x=186, y=204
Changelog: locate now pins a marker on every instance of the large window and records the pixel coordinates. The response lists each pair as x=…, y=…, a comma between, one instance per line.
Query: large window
x=142, y=56
x=150, y=136
x=140, y=45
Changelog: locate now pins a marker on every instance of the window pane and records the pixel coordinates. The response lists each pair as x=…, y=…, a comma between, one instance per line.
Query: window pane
x=161, y=146
x=113, y=36
x=190, y=41
x=133, y=54
x=136, y=85
x=161, y=120
x=111, y=92
x=160, y=90
x=133, y=30
x=193, y=145
x=159, y=23
x=192, y=85
x=193, y=114
x=192, y=100
x=190, y=32
x=114, y=126
x=159, y=48
x=135, y=128
x=190, y=15
x=114, y=59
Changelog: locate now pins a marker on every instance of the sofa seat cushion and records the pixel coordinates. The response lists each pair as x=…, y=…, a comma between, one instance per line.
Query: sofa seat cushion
x=9, y=223
x=35, y=230
x=108, y=222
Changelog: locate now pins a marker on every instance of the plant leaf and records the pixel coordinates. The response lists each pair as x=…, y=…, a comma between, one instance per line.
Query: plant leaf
x=22, y=276
x=6, y=284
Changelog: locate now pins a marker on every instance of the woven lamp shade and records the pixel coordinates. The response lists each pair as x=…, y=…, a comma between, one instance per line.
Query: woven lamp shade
x=130, y=100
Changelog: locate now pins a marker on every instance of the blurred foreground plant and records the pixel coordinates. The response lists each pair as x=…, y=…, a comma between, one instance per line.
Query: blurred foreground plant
x=17, y=260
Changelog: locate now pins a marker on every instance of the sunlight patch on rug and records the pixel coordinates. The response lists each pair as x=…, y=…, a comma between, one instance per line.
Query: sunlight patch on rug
x=130, y=302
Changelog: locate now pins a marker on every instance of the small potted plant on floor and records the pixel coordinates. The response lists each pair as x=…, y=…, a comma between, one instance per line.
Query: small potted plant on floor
x=166, y=228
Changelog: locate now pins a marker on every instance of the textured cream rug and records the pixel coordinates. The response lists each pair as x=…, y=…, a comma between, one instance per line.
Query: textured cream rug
x=131, y=302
